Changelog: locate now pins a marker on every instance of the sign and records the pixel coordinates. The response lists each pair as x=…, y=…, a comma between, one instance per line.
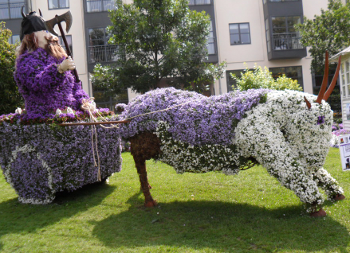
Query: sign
x=344, y=146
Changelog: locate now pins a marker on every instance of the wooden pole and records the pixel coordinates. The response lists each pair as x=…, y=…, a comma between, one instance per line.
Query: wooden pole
x=94, y=123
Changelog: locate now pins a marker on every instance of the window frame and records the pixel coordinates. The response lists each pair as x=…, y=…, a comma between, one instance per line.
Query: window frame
x=102, y=4
x=230, y=81
x=14, y=39
x=59, y=5
x=211, y=39
x=12, y=6
x=280, y=1
x=300, y=79
x=240, y=34
x=345, y=78
x=194, y=2
x=289, y=42
x=105, y=49
x=69, y=39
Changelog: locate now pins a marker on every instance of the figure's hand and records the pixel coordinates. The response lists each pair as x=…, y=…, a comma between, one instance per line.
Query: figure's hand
x=67, y=64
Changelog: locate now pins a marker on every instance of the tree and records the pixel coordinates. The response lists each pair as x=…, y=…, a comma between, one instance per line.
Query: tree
x=10, y=98
x=329, y=31
x=158, y=39
x=262, y=78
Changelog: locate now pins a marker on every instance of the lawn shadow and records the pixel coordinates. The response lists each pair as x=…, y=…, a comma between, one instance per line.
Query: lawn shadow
x=221, y=226
x=27, y=218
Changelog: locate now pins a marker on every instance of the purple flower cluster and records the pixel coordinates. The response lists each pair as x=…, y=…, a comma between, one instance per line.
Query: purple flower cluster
x=66, y=151
x=43, y=88
x=193, y=118
x=337, y=129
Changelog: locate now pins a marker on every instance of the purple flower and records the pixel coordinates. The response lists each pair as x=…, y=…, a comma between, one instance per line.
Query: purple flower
x=192, y=117
x=320, y=120
x=66, y=153
x=43, y=88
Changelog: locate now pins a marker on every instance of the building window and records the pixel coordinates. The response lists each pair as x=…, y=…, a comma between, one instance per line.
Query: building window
x=230, y=81
x=58, y=4
x=99, y=5
x=211, y=39
x=283, y=1
x=345, y=78
x=199, y=2
x=295, y=73
x=14, y=39
x=69, y=41
x=268, y=37
x=284, y=35
x=99, y=49
x=11, y=9
x=239, y=33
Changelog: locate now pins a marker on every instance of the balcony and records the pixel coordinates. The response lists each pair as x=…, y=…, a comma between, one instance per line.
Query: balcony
x=286, y=41
x=285, y=46
x=103, y=53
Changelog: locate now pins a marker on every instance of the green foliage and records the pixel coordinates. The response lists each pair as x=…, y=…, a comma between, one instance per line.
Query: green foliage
x=262, y=78
x=159, y=39
x=10, y=99
x=211, y=212
x=329, y=31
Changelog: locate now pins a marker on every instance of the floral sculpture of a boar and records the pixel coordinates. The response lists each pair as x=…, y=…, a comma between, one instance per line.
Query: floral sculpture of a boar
x=288, y=132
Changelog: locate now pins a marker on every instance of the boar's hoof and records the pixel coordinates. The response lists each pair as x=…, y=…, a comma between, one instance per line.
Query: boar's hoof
x=152, y=203
x=319, y=213
x=339, y=197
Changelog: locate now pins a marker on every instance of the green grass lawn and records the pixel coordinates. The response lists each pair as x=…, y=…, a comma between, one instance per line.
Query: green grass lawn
x=196, y=213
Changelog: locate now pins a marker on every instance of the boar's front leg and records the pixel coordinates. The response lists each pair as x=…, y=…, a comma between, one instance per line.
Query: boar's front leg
x=145, y=146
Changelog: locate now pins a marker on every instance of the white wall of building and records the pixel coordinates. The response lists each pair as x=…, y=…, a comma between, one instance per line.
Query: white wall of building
x=248, y=55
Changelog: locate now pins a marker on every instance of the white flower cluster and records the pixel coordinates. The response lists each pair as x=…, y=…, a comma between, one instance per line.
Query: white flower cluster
x=196, y=159
x=288, y=139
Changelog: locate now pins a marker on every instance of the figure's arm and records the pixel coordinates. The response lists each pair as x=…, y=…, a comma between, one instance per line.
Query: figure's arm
x=36, y=74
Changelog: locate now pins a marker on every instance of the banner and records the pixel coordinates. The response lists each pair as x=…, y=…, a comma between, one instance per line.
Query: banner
x=344, y=146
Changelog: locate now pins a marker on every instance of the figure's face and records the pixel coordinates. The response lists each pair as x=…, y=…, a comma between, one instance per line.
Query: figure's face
x=42, y=37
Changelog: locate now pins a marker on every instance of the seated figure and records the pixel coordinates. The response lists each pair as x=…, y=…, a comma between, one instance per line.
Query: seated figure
x=43, y=71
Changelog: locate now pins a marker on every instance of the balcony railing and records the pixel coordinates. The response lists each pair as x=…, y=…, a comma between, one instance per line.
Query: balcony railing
x=286, y=42
x=103, y=53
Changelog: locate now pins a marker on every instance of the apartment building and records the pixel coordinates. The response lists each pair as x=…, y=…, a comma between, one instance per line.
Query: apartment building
x=243, y=34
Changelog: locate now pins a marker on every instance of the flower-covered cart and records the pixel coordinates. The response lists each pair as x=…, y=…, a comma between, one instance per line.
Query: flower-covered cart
x=41, y=159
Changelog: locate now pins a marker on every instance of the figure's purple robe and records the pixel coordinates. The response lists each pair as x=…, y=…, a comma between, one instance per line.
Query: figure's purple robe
x=43, y=88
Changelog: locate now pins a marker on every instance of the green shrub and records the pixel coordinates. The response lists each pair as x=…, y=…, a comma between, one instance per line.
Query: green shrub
x=262, y=78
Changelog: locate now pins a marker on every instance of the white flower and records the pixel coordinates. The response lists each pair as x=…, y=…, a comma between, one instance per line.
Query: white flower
x=58, y=112
x=69, y=110
x=18, y=111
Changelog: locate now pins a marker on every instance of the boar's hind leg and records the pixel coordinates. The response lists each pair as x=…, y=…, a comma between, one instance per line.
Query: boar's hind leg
x=328, y=184
x=145, y=146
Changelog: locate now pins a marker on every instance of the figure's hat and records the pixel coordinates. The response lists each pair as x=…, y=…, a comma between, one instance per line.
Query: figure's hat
x=31, y=23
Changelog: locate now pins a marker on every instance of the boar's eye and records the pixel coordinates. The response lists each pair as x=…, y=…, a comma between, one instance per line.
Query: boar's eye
x=320, y=120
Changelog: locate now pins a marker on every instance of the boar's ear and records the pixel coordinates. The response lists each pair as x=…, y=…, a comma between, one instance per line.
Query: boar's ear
x=334, y=81
x=322, y=94
x=324, y=82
